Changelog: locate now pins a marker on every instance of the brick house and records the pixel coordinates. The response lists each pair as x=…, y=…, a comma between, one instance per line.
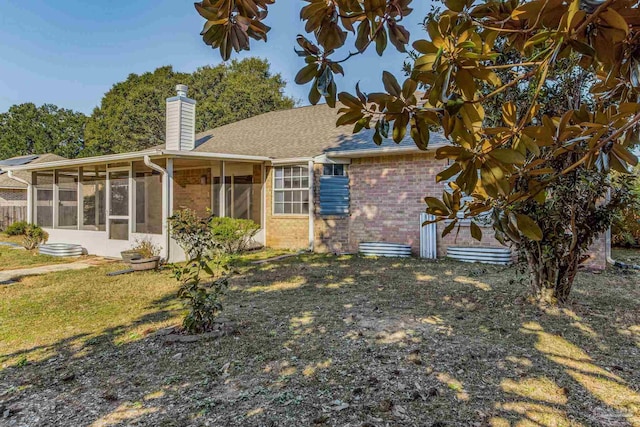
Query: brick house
x=306, y=182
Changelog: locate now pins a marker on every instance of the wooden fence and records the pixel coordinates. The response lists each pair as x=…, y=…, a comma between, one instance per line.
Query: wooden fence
x=11, y=214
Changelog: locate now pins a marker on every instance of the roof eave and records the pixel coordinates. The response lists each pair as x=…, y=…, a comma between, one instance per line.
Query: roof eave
x=111, y=158
x=386, y=151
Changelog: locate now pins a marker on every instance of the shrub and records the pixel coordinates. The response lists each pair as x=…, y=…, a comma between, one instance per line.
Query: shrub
x=233, y=235
x=202, y=296
x=34, y=236
x=16, y=229
x=146, y=248
x=625, y=227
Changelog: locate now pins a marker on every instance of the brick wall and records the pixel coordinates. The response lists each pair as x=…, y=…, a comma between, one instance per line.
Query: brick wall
x=387, y=197
x=284, y=231
x=188, y=191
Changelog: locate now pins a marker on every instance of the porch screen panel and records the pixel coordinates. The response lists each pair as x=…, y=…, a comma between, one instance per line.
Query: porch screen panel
x=94, y=198
x=68, y=199
x=119, y=183
x=43, y=198
x=148, y=197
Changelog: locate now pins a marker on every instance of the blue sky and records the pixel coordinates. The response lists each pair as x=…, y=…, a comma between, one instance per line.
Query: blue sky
x=70, y=52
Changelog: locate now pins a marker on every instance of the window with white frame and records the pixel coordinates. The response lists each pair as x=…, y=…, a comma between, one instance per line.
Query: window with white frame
x=291, y=190
x=332, y=169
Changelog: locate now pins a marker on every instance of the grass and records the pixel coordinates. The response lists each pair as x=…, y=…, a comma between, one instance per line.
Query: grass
x=324, y=340
x=628, y=256
x=11, y=259
x=12, y=239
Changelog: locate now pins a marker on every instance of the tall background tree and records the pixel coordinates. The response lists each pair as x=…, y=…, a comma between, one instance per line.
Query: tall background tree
x=540, y=174
x=131, y=116
x=28, y=129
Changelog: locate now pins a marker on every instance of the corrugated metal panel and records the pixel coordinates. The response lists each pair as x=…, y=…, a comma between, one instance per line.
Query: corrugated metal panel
x=484, y=255
x=334, y=195
x=428, y=237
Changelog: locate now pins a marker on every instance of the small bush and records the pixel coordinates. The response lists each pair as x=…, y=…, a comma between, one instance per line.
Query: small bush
x=233, y=235
x=16, y=229
x=146, y=248
x=34, y=236
x=201, y=295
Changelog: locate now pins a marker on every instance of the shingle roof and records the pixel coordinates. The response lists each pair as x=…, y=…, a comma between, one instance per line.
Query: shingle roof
x=298, y=132
x=6, y=182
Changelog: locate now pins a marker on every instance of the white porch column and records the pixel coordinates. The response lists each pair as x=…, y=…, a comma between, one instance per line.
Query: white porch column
x=222, y=196
x=30, y=203
x=170, y=186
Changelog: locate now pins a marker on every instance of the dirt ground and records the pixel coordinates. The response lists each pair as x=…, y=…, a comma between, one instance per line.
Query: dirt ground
x=348, y=341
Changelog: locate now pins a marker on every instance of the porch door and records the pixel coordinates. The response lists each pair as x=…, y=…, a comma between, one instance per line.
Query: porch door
x=118, y=203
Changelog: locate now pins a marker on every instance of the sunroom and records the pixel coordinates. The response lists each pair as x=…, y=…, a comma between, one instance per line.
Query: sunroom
x=108, y=203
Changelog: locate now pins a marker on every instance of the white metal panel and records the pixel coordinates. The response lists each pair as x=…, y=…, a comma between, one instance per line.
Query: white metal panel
x=428, y=237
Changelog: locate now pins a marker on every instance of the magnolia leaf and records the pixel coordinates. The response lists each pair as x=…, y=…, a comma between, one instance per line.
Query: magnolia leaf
x=436, y=207
x=449, y=227
x=528, y=227
x=509, y=115
x=391, y=84
x=476, y=232
x=448, y=173
x=507, y=156
x=306, y=74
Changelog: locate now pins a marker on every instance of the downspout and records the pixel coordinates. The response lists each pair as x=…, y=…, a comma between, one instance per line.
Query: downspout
x=165, y=203
x=311, y=208
x=29, y=195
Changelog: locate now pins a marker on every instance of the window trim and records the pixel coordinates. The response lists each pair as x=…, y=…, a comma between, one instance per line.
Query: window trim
x=274, y=190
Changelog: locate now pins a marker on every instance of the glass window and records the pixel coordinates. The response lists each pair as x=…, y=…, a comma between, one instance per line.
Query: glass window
x=334, y=170
x=67, y=199
x=148, y=208
x=119, y=188
x=291, y=190
x=43, y=197
x=94, y=198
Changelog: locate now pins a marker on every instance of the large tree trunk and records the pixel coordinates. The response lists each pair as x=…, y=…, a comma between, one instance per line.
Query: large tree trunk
x=551, y=279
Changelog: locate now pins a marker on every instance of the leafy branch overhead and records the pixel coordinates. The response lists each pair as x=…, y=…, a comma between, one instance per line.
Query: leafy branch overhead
x=456, y=67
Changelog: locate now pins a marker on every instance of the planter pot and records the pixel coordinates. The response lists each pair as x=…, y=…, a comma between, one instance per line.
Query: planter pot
x=144, y=264
x=128, y=256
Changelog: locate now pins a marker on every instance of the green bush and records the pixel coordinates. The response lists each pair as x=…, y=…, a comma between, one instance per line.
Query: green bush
x=34, y=236
x=201, y=295
x=233, y=235
x=625, y=227
x=16, y=229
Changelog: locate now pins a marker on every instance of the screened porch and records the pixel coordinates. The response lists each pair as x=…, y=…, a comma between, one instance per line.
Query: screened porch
x=107, y=207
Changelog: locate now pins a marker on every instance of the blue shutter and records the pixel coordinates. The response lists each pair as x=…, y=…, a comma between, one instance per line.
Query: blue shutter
x=334, y=195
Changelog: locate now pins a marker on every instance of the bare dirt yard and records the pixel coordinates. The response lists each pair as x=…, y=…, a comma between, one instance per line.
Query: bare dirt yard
x=323, y=341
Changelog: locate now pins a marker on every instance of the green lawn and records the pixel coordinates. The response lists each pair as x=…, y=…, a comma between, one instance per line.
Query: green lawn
x=12, y=259
x=324, y=341
x=628, y=256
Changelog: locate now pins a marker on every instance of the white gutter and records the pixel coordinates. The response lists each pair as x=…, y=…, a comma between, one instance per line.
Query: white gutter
x=165, y=204
x=291, y=160
x=29, y=194
x=311, y=208
x=219, y=156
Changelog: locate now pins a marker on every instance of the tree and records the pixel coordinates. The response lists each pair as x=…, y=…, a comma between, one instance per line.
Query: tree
x=131, y=115
x=508, y=165
x=27, y=129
